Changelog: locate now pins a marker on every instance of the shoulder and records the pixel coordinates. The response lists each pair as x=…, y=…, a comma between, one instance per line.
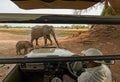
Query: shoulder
x=105, y=67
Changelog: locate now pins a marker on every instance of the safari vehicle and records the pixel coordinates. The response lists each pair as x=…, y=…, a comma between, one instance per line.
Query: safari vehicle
x=50, y=66
x=42, y=65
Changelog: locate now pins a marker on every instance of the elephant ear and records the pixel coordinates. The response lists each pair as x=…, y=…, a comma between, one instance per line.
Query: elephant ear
x=48, y=29
x=51, y=29
x=45, y=29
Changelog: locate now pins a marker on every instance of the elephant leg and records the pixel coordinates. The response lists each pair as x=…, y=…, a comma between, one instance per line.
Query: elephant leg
x=48, y=37
x=36, y=41
x=17, y=52
x=54, y=36
x=32, y=40
x=45, y=40
x=25, y=51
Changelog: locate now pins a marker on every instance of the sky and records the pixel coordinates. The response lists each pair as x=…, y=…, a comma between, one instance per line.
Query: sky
x=6, y=6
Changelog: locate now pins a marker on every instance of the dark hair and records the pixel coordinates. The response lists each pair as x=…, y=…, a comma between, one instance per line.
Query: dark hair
x=97, y=64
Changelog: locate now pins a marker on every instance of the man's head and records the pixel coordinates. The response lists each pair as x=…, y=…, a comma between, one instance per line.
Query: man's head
x=93, y=52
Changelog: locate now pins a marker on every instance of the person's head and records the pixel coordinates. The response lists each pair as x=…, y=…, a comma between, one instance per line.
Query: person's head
x=92, y=52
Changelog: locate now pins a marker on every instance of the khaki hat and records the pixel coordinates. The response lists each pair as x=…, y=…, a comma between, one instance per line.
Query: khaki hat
x=93, y=52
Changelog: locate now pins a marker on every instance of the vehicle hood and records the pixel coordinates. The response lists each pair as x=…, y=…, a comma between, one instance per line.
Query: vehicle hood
x=49, y=52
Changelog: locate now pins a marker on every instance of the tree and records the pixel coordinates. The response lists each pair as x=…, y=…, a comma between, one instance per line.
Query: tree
x=108, y=9
x=115, y=5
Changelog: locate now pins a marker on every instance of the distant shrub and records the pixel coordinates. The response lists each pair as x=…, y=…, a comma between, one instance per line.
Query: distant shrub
x=79, y=26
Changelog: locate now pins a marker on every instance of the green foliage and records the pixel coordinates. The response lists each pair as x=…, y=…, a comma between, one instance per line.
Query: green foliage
x=18, y=32
x=15, y=30
x=79, y=26
x=74, y=26
x=8, y=26
x=64, y=27
x=107, y=11
x=64, y=33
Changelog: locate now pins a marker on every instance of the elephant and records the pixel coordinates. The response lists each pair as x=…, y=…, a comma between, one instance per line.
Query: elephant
x=43, y=31
x=25, y=45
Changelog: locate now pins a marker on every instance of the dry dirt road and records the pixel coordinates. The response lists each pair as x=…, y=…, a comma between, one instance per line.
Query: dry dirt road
x=83, y=39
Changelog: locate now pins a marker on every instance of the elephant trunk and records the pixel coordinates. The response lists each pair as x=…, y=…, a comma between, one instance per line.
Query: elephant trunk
x=54, y=36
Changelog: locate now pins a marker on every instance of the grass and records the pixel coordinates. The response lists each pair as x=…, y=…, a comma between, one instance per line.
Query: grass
x=26, y=31
x=18, y=31
x=64, y=33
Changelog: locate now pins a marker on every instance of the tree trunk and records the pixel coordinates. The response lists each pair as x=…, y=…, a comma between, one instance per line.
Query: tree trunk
x=115, y=5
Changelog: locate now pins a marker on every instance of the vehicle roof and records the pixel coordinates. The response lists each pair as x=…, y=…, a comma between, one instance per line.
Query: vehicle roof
x=55, y=4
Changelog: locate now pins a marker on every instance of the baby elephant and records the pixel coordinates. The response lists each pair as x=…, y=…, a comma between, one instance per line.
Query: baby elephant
x=23, y=45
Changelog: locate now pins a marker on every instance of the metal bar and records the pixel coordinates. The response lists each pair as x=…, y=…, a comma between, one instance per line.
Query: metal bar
x=58, y=19
x=57, y=59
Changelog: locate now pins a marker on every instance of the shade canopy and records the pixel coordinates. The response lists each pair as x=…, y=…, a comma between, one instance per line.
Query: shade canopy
x=115, y=5
x=55, y=4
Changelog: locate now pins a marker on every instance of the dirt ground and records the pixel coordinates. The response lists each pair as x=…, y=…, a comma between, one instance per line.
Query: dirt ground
x=105, y=38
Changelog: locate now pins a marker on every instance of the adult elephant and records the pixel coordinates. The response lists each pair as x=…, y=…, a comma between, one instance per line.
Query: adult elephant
x=43, y=31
